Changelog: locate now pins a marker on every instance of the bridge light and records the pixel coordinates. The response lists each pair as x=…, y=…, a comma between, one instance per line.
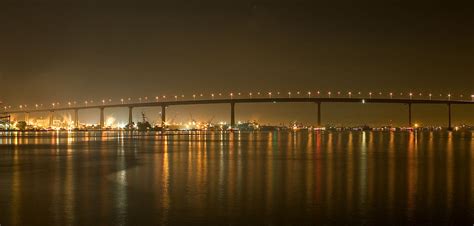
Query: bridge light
x=329, y=94
x=391, y=95
x=231, y=95
x=449, y=96
x=370, y=94
x=430, y=95
x=140, y=99
x=289, y=94
x=176, y=98
x=103, y=102
x=212, y=95
x=309, y=94
x=411, y=96
x=194, y=96
x=250, y=95
x=298, y=93
x=472, y=97
x=270, y=94
x=350, y=94
x=69, y=103
x=121, y=100
x=363, y=101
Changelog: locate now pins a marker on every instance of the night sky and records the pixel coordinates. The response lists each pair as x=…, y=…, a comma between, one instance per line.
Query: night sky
x=80, y=50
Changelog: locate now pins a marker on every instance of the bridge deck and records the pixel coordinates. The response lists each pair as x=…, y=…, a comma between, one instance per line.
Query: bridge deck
x=249, y=100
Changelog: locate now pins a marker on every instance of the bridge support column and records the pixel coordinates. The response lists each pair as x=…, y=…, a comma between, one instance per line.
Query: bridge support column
x=449, y=117
x=319, y=113
x=163, y=116
x=130, y=116
x=102, y=119
x=232, y=114
x=51, y=118
x=76, y=118
x=409, y=115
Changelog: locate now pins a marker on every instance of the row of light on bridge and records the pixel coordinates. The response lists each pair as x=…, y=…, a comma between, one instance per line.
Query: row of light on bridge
x=309, y=94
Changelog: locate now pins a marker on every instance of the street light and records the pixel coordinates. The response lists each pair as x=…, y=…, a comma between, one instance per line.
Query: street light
x=194, y=96
x=370, y=95
x=391, y=95
x=309, y=94
x=411, y=96
x=329, y=94
x=231, y=96
x=176, y=98
x=270, y=94
x=250, y=95
x=472, y=97
x=121, y=100
x=449, y=96
x=212, y=96
x=350, y=94
x=289, y=94
x=430, y=95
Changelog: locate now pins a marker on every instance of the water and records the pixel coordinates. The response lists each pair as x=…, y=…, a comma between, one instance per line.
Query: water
x=352, y=178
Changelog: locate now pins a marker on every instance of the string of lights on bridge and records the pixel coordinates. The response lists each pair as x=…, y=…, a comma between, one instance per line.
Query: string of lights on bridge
x=232, y=95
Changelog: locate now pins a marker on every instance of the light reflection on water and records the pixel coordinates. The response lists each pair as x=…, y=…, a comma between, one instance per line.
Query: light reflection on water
x=92, y=178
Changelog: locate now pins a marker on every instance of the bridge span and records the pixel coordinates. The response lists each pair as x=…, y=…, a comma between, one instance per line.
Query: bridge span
x=232, y=102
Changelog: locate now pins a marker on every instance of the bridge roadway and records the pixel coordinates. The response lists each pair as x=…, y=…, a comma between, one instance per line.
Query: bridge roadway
x=232, y=102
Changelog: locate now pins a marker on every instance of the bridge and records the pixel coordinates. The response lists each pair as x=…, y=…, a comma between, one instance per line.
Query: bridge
x=233, y=101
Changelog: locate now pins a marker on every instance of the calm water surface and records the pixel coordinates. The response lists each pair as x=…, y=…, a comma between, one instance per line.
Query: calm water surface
x=110, y=178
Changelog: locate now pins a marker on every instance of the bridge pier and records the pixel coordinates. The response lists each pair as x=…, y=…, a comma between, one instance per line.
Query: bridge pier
x=449, y=117
x=76, y=118
x=51, y=118
x=319, y=113
x=232, y=114
x=409, y=115
x=102, y=118
x=130, y=116
x=163, y=116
